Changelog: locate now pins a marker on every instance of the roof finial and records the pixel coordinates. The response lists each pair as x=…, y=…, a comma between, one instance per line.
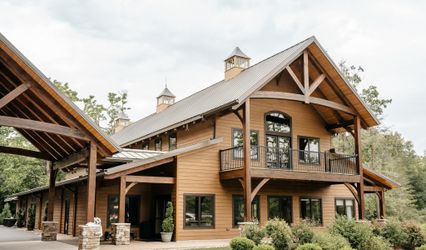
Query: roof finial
x=165, y=82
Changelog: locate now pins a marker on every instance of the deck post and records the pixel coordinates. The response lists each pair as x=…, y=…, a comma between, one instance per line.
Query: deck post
x=122, y=200
x=51, y=199
x=247, y=174
x=91, y=183
x=381, y=211
x=358, y=152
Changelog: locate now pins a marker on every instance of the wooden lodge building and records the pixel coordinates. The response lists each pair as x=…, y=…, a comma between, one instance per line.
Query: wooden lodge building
x=253, y=146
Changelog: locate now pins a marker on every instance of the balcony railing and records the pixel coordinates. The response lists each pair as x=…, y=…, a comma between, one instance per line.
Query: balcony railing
x=289, y=159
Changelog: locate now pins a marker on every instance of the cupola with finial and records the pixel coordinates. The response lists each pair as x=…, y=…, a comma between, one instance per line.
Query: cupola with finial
x=236, y=62
x=121, y=122
x=165, y=99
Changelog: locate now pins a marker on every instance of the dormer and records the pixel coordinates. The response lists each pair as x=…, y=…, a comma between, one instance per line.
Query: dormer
x=236, y=62
x=165, y=99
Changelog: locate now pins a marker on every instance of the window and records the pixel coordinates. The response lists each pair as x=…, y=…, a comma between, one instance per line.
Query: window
x=311, y=209
x=199, y=211
x=172, y=141
x=237, y=141
x=277, y=122
x=280, y=207
x=145, y=146
x=131, y=210
x=158, y=145
x=238, y=209
x=309, y=151
x=345, y=207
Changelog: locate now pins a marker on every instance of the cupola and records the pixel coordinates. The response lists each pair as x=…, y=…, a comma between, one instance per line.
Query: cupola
x=121, y=122
x=236, y=62
x=165, y=99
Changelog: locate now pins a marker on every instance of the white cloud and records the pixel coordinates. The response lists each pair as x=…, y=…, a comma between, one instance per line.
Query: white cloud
x=100, y=46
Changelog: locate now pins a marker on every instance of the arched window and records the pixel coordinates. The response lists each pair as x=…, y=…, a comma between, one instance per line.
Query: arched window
x=277, y=122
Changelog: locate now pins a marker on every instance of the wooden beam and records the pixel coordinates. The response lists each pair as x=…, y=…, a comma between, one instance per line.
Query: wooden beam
x=372, y=189
x=237, y=113
x=139, y=168
x=130, y=186
x=13, y=94
x=72, y=159
x=306, y=75
x=247, y=161
x=24, y=152
x=301, y=98
x=122, y=200
x=295, y=79
x=150, y=179
x=52, y=180
x=316, y=83
x=41, y=126
x=342, y=124
x=258, y=187
x=353, y=191
x=358, y=159
x=91, y=183
x=281, y=174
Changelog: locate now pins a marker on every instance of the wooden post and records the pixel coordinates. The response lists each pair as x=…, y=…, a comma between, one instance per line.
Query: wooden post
x=358, y=152
x=91, y=183
x=382, y=204
x=62, y=210
x=40, y=210
x=306, y=75
x=247, y=159
x=122, y=200
x=51, y=199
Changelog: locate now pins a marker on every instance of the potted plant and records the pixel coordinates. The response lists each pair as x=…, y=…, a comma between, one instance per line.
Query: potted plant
x=6, y=216
x=167, y=225
x=21, y=218
x=31, y=218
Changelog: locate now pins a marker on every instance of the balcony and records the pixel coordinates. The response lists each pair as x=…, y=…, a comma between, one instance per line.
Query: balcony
x=291, y=164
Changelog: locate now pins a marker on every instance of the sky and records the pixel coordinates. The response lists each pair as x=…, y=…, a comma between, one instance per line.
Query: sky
x=99, y=46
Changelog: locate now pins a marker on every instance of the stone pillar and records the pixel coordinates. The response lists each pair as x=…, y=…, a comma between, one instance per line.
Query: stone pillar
x=121, y=233
x=89, y=237
x=49, y=230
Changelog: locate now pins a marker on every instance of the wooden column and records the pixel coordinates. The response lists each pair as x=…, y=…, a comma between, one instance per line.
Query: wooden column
x=122, y=200
x=247, y=158
x=51, y=199
x=91, y=183
x=381, y=211
x=61, y=219
x=40, y=210
x=358, y=152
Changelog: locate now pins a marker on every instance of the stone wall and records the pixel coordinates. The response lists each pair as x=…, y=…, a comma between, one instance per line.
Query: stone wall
x=89, y=237
x=121, y=233
x=49, y=230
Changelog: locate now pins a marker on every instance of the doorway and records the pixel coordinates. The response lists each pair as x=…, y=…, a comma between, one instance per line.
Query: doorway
x=278, y=151
x=66, y=214
x=160, y=205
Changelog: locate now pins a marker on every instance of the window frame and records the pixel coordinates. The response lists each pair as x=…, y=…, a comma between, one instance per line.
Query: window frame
x=344, y=204
x=233, y=211
x=161, y=144
x=280, y=196
x=299, y=137
x=321, y=208
x=184, y=211
x=175, y=136
x=268, y=132
x=254, y=157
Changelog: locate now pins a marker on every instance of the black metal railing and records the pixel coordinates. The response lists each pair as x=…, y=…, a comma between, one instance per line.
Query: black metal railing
x=288, y=159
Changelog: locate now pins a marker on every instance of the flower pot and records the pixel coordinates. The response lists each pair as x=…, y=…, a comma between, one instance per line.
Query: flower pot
x=9, y=222
x=166, y=236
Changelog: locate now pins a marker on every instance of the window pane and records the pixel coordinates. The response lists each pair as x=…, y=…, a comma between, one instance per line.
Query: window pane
x=112, y=210
x=316, y=210
x=305, y=208
x=172, y=141
x=207, y=207
x=277, y=122
x=238, y=210
x=158, y=146
x=280, y=207
x=191, y=211
x=314, y=145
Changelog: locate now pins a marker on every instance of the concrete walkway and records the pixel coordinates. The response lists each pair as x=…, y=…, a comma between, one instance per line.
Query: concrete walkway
x=21, y=239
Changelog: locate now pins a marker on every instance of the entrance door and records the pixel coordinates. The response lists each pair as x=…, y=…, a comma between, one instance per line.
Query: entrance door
x=278, y=151
x=160, y=205
x=67, y=214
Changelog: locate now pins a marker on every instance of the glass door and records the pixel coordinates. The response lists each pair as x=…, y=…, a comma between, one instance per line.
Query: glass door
x=278, y=151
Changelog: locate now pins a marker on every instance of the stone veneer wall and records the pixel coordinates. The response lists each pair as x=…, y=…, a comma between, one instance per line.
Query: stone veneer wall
x=49, y=230
x=121, y=233
x=89, y=237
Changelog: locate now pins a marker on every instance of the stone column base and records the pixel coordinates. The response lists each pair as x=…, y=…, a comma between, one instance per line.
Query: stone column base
x=50, y=230
x=89, y=237
x=120, y=233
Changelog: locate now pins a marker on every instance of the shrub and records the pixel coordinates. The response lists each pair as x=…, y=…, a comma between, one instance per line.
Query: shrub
x=423, y=247
x=280, y=233
x=357, y=234
x=167, y=224
x=5, y=214
x=393, y=232
x=241, y=243
x=377, y=243
x=415, y=237
x=31, y=217
x=254, y=233
x=330, y=242
x=263, y=247
x=302, y=232
x=309, y=246
x=21, y=217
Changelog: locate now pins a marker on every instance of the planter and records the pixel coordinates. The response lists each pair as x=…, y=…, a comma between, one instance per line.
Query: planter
x=9, y=222
x=166, y=236
x=30, y=227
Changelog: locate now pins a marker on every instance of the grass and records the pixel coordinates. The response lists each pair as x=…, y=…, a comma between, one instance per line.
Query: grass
x=214, y=248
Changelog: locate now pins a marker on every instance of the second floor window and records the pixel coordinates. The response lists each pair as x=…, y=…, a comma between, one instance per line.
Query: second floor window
x=172, y=141
x=158, y=145
x=237, y=141
x=309, y=150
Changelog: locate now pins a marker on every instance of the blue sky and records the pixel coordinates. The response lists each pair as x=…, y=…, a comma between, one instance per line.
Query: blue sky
x=101, y=46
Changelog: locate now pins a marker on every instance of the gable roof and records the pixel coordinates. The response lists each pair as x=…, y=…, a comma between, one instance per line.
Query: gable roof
x=224, y=94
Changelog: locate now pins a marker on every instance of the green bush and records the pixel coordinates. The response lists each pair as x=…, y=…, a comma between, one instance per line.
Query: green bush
x=21, y=217
x=423, y=247
x=167, y=224
x=309, y=246
x=330, y=242
x=241, y=243
x=5, y=214
x=280, y=233
x=263, y=247
x=302, y=232
x=394, y=233
x=31, y=217
x=377, y=243
x=415, y=236
x=253, y=232
x=357, y=234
